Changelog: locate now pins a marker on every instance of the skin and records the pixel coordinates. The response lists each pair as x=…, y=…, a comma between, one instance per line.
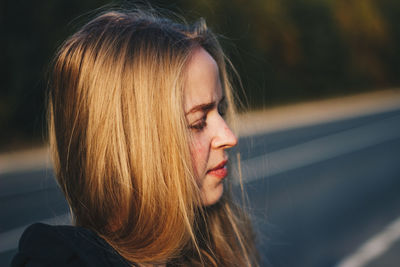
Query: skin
x=211, y=136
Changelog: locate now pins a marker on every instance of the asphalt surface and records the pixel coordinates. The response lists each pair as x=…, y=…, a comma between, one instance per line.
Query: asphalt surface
x=316, y=210
x=317, y=193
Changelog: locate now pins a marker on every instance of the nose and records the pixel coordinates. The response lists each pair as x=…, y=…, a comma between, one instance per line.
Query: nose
x=224, y=137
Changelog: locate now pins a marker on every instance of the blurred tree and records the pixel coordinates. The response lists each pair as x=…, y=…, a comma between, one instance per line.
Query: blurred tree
x=365, y=32
x=273, y=29
x=31, y=31
x=284, y=50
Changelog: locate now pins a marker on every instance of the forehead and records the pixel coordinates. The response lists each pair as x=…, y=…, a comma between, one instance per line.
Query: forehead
x=202, y=83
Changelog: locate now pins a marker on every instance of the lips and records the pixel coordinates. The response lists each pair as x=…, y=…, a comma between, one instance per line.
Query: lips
x=220, y=171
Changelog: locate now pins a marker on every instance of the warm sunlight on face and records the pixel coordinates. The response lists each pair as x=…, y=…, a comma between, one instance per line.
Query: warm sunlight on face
x=204, y=108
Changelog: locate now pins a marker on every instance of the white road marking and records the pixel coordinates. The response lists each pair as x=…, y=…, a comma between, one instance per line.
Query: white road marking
x=325, y=148
x=254, y=122
x=320, y=149
x=276, y=162
x=315, y=112
x=374, y=247
x=29, y=160
x=9, y=240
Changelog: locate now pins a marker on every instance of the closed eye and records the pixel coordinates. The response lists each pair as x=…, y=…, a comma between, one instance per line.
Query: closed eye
x=206, y=108
x=200, y=124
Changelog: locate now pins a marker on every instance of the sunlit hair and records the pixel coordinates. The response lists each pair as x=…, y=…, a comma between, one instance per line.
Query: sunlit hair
x=120, y=142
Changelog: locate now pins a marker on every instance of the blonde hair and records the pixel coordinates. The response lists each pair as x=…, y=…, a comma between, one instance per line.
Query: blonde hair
x=120, y=139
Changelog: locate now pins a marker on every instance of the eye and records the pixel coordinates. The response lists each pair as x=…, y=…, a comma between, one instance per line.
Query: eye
x=222, y=107
x=200, y=124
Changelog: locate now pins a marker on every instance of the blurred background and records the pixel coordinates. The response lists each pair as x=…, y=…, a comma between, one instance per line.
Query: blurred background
x=320, y=138
x=285, y=51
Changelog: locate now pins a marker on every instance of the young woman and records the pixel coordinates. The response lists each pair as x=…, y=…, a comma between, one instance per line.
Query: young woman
x=137, y=116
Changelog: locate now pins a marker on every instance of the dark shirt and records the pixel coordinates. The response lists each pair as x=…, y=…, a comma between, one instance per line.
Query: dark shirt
x=46, y=245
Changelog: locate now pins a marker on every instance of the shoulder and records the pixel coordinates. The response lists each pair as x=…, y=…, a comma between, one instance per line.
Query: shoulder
x=46, y=245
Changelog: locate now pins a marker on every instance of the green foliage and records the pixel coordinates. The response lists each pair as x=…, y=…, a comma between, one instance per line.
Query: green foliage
x=293, y=50
x=284, y=50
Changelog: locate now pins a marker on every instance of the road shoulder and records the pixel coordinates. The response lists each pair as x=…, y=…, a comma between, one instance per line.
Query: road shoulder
x=254, y=122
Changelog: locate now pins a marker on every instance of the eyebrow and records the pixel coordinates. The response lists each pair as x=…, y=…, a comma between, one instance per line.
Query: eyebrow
x=204, y=107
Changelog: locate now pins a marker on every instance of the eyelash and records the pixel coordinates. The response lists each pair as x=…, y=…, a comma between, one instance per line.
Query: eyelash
x=222, y=107
x=200, y=126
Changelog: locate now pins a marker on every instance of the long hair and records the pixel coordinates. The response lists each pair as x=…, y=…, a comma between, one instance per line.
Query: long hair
x=119, y=140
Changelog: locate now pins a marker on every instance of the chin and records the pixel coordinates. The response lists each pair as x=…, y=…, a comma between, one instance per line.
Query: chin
x=210, y=197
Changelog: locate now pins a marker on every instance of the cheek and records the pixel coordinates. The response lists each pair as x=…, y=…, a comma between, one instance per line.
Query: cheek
x=199, y=151
x=198, y=147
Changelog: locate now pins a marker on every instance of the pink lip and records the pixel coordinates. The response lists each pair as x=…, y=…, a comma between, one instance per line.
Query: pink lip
x=220, y=171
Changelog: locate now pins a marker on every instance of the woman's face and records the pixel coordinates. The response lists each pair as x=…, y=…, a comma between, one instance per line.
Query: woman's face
x=204, y=108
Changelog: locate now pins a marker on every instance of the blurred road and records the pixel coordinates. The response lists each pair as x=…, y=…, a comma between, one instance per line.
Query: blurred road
x=322, y=191
x=319, y=192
